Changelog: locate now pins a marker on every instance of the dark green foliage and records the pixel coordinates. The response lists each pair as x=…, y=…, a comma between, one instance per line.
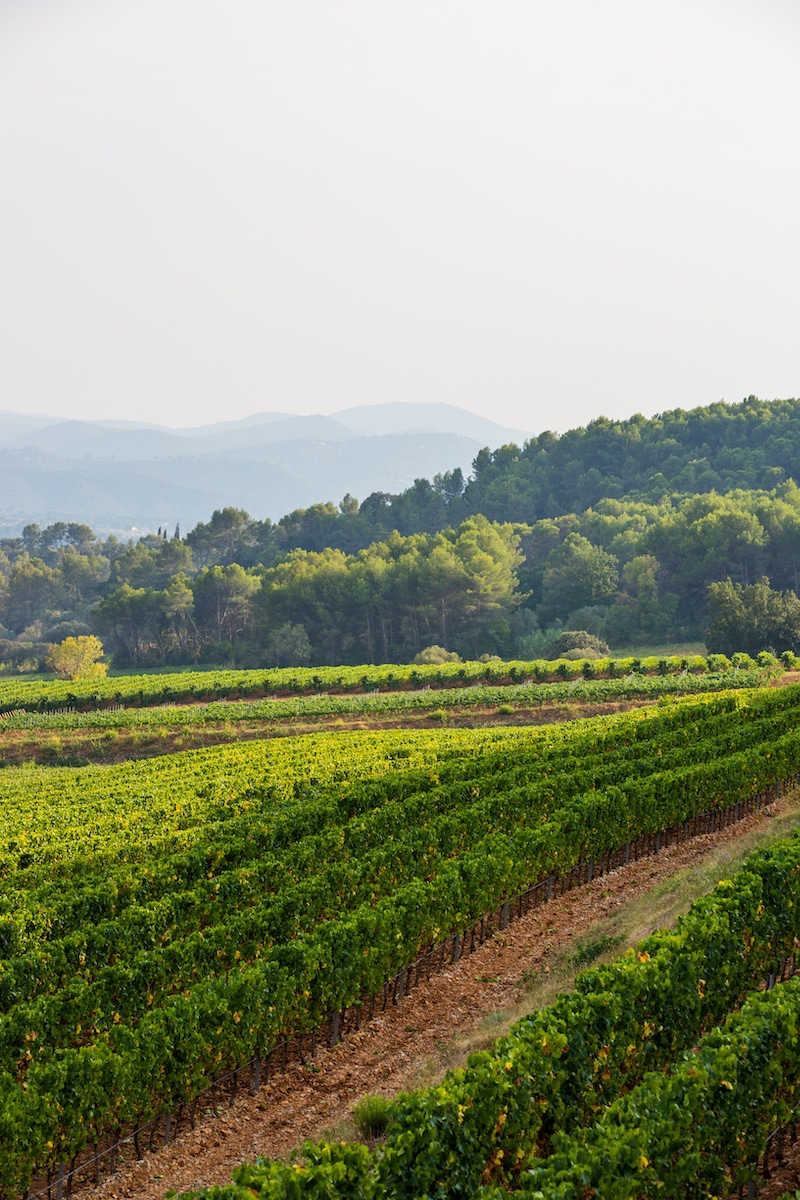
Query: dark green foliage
x=591, y=951
x=577, y=575
x=724, y=446
x=287, y=646
x=752, y=619
x=753, y=444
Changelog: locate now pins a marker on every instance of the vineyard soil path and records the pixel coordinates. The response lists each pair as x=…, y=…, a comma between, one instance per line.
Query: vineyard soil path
x=461, y=1009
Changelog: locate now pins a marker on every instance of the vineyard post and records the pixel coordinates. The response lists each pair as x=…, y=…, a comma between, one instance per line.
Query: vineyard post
x=256, y=1084
x=114, y=1150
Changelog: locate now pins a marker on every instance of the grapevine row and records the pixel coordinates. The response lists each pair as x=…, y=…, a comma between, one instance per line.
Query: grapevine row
x=380, y=834
x=183, y=815
x=696, y=1131
x=633, y=686
x=120, y=1059
x=665, y=1100
x=194, y=686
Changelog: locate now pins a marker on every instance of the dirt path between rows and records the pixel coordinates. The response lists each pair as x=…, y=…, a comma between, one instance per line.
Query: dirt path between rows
x=462, y=1009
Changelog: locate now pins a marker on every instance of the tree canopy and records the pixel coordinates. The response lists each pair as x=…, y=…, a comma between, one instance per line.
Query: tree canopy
x=751, y=619
x=77, y=658
x=617, y=529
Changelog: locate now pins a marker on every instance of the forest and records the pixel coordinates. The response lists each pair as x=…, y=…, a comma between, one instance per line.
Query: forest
x=577, y=532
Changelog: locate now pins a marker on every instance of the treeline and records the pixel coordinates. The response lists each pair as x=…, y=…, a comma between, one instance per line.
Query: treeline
x=153, y=603
x=627, y=571
x=381, y=605
x=587, y=531
x=752, y=445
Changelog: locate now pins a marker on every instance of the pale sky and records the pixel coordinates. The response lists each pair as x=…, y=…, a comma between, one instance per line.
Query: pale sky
x=542, y=212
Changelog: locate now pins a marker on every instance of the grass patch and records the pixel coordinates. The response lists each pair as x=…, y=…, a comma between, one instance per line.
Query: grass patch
x=589, y=952
x=666, y=650
x=371, y=1116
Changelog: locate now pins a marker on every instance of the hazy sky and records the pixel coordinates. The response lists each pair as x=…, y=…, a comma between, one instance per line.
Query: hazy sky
x=539, y=211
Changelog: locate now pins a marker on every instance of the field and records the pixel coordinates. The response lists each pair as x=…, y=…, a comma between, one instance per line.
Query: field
x=167, y=921
x=132, y=717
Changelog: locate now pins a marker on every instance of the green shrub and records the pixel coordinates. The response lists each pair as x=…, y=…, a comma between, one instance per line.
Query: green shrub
x=579, y=639
x=434, y=656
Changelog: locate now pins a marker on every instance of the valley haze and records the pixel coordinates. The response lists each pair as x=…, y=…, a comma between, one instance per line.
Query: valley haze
x=130, y=477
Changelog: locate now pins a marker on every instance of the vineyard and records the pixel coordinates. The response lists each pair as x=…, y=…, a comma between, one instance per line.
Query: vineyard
x=634, y=686
x=660, y=1075
x=193, y=687
x=117, y=720
x=162, y=922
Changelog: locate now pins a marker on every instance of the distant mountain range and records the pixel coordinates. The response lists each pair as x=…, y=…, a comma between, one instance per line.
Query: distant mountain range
x=127, y=476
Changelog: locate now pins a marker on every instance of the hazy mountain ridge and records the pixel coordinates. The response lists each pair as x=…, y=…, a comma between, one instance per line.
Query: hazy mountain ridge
x=120, y=476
